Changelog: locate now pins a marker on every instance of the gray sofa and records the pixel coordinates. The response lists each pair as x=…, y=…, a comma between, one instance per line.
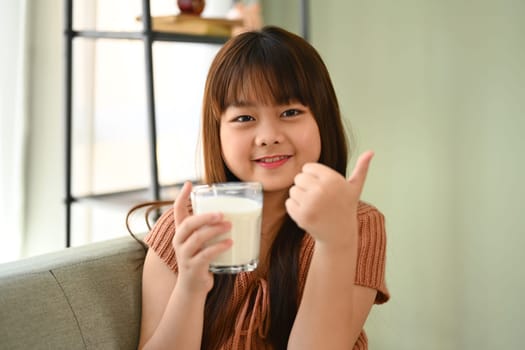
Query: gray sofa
x=85, y=297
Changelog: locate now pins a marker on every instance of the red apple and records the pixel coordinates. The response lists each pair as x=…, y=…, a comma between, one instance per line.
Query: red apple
x=193, y=7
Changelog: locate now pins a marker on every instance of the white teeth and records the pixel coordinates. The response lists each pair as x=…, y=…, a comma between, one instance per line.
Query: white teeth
x=272, y=159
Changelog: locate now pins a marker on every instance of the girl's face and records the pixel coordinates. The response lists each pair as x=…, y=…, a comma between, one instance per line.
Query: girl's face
x=269, y=144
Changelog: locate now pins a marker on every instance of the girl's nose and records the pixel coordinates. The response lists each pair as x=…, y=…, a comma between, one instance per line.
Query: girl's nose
x=268, y=142
x=268, y=133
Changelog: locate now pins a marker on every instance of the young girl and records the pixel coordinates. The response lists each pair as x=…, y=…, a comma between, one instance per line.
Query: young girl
x=270, y=115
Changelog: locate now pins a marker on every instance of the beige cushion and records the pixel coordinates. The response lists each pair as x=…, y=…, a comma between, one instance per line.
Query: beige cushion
x=79, y=298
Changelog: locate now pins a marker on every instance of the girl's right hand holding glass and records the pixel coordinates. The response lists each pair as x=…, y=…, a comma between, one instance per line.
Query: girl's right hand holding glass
x=194, y=254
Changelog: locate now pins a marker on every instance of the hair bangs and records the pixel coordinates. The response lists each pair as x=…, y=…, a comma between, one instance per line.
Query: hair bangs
x=263, y=77
x=263, y=85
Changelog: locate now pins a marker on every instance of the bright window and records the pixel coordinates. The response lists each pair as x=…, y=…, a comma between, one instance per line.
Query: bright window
x=110, y=151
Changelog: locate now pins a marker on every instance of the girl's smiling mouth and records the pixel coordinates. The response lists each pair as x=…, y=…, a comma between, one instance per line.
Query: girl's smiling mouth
x=271, y=162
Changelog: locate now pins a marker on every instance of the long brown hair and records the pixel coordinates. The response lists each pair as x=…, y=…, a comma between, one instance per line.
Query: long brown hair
x=273, y=66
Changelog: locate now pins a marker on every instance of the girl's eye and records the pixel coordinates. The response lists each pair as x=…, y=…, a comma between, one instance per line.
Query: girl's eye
x=291, y=113
x=243, y=118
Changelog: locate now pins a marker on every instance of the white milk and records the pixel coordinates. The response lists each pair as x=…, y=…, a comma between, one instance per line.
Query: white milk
x=245, y=216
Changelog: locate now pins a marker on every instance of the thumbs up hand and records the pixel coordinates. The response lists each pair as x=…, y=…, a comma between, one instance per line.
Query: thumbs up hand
x=324, y=203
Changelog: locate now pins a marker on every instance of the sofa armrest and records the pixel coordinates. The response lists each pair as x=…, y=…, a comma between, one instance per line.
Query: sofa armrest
x=84, y=297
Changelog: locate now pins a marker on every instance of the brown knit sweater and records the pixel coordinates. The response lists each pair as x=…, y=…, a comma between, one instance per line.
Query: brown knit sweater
x=251, y=327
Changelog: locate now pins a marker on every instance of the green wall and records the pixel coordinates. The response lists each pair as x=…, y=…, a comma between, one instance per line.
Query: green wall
x=437, y=89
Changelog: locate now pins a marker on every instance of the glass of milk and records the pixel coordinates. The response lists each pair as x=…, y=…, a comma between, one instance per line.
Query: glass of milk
x=241, y=203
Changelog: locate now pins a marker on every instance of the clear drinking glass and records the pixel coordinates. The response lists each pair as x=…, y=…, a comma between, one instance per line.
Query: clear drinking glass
x=241, y=203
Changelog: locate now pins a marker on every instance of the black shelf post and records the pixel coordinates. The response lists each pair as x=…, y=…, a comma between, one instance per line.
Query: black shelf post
x=68, y=93
x=305, y=19
x=150, y=99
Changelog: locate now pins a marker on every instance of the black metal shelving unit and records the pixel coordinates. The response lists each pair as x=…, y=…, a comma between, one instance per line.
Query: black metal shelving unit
x=148, y=37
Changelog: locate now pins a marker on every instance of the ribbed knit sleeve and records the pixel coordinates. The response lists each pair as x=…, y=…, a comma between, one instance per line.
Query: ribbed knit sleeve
x=370, y=269
x=160, y=237
x=371, y=253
